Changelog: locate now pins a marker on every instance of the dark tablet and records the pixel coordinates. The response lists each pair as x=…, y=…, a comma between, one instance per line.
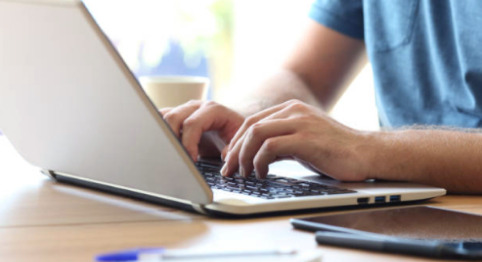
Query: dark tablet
x=419, y=222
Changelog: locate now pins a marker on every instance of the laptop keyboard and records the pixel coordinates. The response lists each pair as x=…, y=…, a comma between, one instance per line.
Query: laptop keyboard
x=273, y=187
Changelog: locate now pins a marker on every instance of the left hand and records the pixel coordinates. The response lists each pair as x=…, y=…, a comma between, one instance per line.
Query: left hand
x=298, y=131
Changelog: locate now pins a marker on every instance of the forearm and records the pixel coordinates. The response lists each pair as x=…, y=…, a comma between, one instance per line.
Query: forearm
x=282, y=86
x=315, y=72
x=445, y=158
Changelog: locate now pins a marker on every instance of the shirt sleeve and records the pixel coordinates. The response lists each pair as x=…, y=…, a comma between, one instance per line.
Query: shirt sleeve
x=344, y=16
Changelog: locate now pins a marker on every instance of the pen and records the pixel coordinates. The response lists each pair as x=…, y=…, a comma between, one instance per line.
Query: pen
x=161, y=254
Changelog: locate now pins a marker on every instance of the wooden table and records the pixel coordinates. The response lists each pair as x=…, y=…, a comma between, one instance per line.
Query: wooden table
x=41, y=220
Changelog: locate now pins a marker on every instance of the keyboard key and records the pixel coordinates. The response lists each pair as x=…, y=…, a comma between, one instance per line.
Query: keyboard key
x=270, y=188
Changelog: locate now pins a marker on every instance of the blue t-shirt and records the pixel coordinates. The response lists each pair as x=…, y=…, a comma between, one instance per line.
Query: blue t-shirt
x=426, y=56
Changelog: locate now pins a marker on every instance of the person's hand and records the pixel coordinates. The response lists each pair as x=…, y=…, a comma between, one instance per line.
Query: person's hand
x=204, y=128
x=298, y=131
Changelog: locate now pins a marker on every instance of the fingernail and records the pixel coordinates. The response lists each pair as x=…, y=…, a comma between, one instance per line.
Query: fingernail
x=226, y=158
x=242, y=172
x=224, y=170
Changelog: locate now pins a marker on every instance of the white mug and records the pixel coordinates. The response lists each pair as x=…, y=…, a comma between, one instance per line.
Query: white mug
x=171, y=91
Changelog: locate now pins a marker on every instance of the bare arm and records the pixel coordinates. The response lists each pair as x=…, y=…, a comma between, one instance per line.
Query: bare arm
x=316, y=72
x=446, y=158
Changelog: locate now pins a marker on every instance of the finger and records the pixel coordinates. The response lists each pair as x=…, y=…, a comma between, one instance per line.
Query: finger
x=210, y=117
x=224, y=152
x=272, y=149
x=254, y=119
x=176, y=116
x=231, y=161
x=192, y=130
x=165, y=110
x=255, y=136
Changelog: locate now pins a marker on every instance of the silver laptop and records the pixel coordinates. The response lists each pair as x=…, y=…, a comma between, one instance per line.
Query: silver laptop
x=70, y=106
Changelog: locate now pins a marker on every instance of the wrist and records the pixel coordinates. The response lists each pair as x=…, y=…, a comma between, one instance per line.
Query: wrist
x=388, y=156
x=372, y=154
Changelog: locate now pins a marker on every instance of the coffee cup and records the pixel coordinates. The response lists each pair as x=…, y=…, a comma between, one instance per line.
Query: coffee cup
x=171, y=91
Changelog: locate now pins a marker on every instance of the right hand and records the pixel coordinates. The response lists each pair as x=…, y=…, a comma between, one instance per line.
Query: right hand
x=191, y=120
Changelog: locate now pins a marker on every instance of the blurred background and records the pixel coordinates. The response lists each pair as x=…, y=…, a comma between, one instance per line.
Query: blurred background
x=235, y=43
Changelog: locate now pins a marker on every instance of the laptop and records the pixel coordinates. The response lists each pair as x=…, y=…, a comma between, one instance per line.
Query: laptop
x=70, y=106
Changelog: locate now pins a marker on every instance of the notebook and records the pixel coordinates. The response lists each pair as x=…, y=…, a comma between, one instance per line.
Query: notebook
x=70, y=106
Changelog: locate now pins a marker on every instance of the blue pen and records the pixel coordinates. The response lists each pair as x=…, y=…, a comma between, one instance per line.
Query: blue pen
x=128, y=255
x=161, y=254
